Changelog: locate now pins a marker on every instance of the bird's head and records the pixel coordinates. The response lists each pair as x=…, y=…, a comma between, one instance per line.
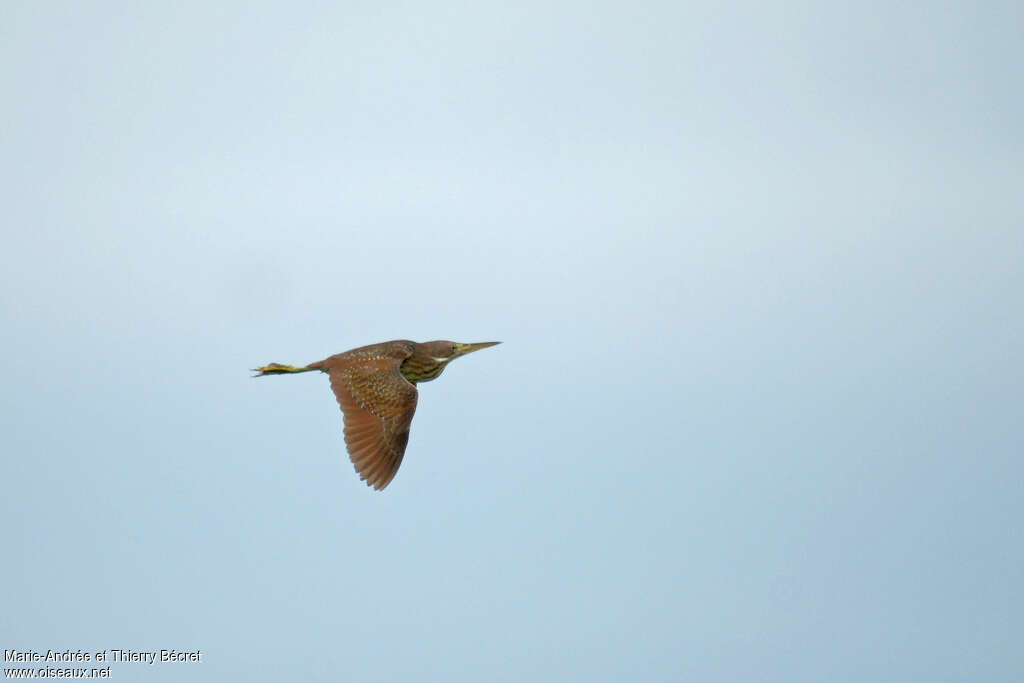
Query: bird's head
x=429, y=359
x=445, y=352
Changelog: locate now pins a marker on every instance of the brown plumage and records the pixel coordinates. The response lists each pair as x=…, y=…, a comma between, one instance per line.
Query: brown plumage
x=376, y=388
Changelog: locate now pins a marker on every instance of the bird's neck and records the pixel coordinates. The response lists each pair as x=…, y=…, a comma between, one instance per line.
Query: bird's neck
x=421, y=368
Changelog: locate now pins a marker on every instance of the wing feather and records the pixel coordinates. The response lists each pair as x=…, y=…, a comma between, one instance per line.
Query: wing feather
x=378, y=405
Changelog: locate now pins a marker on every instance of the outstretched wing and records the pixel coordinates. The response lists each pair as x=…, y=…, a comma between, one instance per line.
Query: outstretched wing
x=378, y=404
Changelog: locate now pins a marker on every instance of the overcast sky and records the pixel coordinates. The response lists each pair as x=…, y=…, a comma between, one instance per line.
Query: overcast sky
x=756, y=267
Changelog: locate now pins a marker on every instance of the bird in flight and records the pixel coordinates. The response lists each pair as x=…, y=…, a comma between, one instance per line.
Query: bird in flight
x=376, y=388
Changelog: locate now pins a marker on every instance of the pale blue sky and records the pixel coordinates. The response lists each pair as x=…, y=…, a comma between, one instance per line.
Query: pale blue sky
x=756, y=268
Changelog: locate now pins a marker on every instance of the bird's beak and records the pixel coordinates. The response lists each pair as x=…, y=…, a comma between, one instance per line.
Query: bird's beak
x=463, y=349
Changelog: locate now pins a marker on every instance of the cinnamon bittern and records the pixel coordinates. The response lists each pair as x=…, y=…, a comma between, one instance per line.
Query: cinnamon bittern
x=376, y=388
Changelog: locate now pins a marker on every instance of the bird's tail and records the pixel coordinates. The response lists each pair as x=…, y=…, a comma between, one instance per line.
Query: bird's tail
x=278, y=369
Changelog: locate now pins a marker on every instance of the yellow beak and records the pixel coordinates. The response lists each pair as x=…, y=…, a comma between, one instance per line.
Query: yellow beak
x=463, y=349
